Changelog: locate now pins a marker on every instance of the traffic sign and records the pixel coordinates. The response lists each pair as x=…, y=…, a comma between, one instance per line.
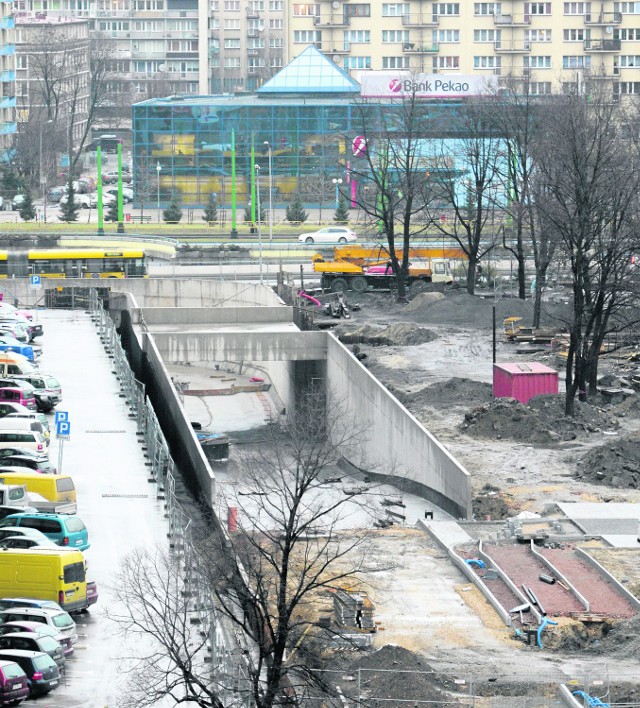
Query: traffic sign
x=36, y=282
x=63, y=430
x=61, y=417
x=359, y=146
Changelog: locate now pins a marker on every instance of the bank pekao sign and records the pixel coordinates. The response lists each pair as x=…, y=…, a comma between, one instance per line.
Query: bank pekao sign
x=403, y=84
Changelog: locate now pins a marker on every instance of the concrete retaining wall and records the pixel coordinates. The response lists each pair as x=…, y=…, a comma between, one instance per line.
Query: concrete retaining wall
x=216, y=315
x=395, y=440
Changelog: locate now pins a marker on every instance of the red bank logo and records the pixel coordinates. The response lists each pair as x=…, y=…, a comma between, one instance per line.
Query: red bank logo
x=395, y=85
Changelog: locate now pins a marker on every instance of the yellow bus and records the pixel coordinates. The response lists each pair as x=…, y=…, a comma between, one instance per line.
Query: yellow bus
x=86, y=263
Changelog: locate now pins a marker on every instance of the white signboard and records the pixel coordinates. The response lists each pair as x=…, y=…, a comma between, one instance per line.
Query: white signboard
x=403, y=84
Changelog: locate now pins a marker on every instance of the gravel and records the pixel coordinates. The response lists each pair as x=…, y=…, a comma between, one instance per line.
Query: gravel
x=616, y=464
x=400, y=334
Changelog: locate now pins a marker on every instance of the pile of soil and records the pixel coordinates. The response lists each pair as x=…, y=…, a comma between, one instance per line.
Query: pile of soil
x=541, y=421
x=459, y=308
x=456, y=391
x=379, y=680
x=616, y=464
x=621, y=639
x=401, y=334
x=491, y=504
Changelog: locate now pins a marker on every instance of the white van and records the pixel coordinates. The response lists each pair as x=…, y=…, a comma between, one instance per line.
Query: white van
x=13, y=422
x=26, y=439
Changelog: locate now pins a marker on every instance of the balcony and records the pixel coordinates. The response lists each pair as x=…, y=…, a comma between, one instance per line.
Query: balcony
x=602, y=45
x=512, y=20
x=420, y=20
x=512, y=47
x=329, y=48
x=337, y=21
x=253, y=14
x=604, y=18
x=411, y=48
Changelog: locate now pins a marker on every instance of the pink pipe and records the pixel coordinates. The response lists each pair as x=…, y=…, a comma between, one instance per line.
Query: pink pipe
x=317, y=303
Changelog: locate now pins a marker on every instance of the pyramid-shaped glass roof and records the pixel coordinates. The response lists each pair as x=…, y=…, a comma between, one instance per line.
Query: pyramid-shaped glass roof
x=310, y=72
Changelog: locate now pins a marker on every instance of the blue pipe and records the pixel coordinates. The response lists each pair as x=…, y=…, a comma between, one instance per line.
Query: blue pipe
x=543, y=625
x=591, y=700
x=475, y=561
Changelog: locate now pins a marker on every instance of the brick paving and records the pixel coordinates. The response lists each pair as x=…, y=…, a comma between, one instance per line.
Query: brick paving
x=603, y=598
x=523, y=567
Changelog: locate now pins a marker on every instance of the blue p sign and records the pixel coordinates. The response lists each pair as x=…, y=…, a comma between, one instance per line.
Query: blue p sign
x=63, y=430
x=61, y=417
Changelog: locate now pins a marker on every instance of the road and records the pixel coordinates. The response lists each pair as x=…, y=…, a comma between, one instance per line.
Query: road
x=115, y=500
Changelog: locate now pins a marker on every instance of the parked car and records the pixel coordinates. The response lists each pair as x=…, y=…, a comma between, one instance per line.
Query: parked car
x=23, y=532
x=8, y=510
x=17, y=201
x=8, y=343
x=14, y=422
x=127, y=193
x=23, y=451
x=56, y=618
x=112, y=177
x=62, y=529
x=107, y=199
x=16, y=394
x=42, y=673
x=8, y=603
x=330, y=234
x=34, y=416
x=34, y=642
x=81, y=200
x=44, y=402
x=15, y=329
x=31, y=463
x=55, y=194
x=44, y=384
x=7, y=407
x=25, y=438
x=23, y=542
x=41, y=629
x=14, y=686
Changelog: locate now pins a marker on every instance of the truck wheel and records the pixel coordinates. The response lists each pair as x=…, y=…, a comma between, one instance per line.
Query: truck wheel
x=359, y=283
x=339, y=285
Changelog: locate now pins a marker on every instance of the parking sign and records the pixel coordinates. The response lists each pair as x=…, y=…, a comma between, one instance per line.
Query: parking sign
x=36, y=282
x=63, y=430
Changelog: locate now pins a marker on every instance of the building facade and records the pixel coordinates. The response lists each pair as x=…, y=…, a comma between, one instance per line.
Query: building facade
x=7, y=76
x=552, y=46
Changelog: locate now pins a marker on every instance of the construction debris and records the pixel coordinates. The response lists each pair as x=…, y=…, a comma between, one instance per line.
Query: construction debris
x=354, y=610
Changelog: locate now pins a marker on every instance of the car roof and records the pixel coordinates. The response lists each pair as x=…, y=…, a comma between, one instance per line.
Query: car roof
x=27, y=623
x=26, y=635
x=22, y=653
x=57, y=517
x=6, y=662
x=36, y=611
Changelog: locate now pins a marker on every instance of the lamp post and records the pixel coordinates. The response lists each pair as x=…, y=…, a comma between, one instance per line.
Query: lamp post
x=259, y=217
x=158, y=170
x=337, y=182
x=43, y=179
x=266, y=142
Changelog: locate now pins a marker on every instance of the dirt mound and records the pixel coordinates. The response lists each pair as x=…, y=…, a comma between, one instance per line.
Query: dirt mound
x=400, y=334
x=455, y=391
x=616, y=464
x=459, y=308
x=619, y=639
x=541, y=421
x=491, y=504
x=378, y=680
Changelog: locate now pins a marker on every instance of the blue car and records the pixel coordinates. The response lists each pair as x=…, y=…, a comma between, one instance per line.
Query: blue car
x=11, y=344
x=64, y=529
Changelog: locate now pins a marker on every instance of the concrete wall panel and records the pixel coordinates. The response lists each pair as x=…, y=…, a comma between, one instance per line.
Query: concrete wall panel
x=216, y=315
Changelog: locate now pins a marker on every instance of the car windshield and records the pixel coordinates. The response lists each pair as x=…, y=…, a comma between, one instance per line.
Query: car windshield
x=47, y=644
x=63, y=619
x=44, y=661
x=12, y=671
x=53, y=383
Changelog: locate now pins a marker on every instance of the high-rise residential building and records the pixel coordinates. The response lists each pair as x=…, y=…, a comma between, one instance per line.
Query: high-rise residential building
x=554, y=46
x=7, y=76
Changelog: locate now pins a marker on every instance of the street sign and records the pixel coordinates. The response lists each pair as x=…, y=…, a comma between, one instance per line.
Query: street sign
x=359, y=146
x=63, y=430
x=61, y=417
x=36, y=282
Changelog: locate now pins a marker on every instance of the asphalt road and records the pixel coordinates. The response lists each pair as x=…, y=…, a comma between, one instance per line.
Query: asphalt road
x=115, y=500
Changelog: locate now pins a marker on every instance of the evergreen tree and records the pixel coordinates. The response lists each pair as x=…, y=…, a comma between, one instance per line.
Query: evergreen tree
x=259, y=215
x=173, y=212
x=112, y=212
x=27, y=210
x=296, y=212
x=342, y=212
x=69, y=210
x=211, y=210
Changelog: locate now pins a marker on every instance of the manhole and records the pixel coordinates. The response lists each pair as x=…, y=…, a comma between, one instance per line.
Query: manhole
x=127, y=496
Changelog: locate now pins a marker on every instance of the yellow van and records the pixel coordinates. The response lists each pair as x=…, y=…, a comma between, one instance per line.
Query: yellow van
x=54, y=487
x=13, y=363
x=44, y=573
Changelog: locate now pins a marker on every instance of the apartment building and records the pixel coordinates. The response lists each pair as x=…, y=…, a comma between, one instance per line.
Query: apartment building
x=554, y=46
x=7, y=76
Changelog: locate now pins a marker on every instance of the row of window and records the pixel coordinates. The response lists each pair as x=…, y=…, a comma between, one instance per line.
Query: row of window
x=116, y=26
x=253, y=5
x=486, y=62
x=275, y=62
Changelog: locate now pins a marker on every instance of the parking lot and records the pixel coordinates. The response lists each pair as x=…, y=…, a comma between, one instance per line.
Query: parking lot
x=115, y=501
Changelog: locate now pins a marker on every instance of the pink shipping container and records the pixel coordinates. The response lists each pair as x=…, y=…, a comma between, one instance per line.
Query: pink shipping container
x=523, y=381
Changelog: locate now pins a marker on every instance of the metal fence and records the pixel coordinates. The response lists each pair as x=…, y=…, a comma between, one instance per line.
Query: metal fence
x=225, y=650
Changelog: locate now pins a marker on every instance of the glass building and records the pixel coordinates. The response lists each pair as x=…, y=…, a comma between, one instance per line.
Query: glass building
x=309, y=114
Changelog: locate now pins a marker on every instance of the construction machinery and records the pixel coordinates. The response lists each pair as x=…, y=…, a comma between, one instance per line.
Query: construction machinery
x=359, y=268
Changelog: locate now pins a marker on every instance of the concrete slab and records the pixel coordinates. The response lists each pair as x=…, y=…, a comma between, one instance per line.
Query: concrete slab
x=600, y=519
x=445, y=533
x=622, y=541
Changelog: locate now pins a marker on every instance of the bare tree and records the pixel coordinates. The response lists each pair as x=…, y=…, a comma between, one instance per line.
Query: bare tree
x=589, y=195
x=468, y=172
x=318, y=187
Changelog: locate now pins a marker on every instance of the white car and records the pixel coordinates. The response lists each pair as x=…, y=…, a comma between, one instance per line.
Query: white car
x=107, y=199
x=127, y=193
x=330, y=234
x=81, y=200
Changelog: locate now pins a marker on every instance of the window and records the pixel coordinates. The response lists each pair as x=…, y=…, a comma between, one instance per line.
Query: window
x=395, y=36
x=73, y=573
x=22, y=61
x=232, y=62
x=577, y=8
x=448, y=36
x=575, y=35
x=153, y=5
x=276, y=24
x=307, y=36
x=487, y=8
x=357, y=37
x=275, y=43
x=44, y=525
x=306, y=10
x=256, y=6
x=74, y=525
x=395, y=62
x=487, y=62
x=625, y=35
x=536, y=62
x=537, y=8
x=357, y=10
x=357, y=63
x=232, y=5
x=627, y=8
x=630, y=87
x=486, y=36
x=256, y=43
x=537, y=35
x=446, y=62
x=64, y=484
x=255, y=24
x=232, y=43
x=275, y=5
x=275, y=62
x=231, y=24
x=576, y=62
x=446, y=8
x=395, y=9
x=183, y=45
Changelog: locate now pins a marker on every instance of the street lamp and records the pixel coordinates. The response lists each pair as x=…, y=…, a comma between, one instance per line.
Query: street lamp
x=266, y=142
x=43, y=179
x=337, y=183
x=259, y=217
x=158, y=170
